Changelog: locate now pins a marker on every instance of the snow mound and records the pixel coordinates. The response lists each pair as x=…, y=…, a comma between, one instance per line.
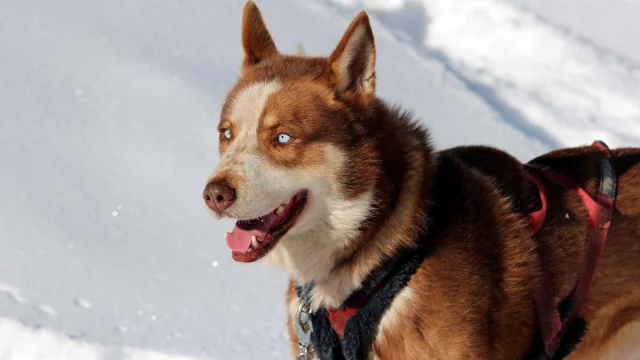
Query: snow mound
x=20, y=342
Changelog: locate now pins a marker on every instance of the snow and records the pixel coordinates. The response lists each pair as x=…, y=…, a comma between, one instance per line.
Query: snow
x=24, y=343
x=609, y=26
x=107, y=134
x=11, y=292
x=543, y=80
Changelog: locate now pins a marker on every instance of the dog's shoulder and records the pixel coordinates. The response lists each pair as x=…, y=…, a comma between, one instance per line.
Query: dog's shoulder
x=474, y=239
x=497, y=169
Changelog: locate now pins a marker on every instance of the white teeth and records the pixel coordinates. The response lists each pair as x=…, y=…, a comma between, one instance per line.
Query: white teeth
x=254, y=241
x=280, y=209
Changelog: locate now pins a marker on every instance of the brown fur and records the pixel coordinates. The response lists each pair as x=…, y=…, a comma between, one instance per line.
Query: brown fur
x=472, y=297
x=501, y=326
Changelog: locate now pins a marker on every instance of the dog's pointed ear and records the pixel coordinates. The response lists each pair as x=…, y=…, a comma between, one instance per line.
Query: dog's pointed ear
x=257, y=43
x=352, y=63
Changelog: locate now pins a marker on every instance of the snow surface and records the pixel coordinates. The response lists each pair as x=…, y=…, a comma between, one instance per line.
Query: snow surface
x=610, y=26
x=543, y=80
x=107, y=134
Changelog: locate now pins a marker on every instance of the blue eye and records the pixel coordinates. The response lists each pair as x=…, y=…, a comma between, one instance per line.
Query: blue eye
x=283, y=138
x=227, y=133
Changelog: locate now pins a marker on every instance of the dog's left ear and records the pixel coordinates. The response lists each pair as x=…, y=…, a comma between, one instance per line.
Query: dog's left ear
x=257, y=43
x=352, y=63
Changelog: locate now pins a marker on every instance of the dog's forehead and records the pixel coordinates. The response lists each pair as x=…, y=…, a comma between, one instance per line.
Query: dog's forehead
x=246, y=105
x=282, y=69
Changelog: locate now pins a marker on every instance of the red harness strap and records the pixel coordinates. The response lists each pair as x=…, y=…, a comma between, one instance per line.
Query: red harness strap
x=600, y=211
x=338, y=316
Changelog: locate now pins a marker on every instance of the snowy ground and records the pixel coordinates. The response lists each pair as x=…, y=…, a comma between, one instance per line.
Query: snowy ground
x=107, y=133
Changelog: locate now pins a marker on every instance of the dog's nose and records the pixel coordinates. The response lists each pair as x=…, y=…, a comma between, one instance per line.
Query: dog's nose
x=219, y=196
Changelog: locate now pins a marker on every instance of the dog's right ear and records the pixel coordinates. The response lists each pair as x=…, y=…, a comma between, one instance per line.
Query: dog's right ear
x=352, y=62
x=257, y=43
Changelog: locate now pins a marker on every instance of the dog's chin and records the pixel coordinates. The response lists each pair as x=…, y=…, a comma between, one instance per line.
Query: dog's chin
x=252, y=239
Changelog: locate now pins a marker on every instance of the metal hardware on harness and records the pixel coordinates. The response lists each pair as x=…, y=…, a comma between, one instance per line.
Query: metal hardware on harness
x=304, y=327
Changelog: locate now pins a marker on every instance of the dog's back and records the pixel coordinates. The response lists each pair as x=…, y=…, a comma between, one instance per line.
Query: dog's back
x=612, y=308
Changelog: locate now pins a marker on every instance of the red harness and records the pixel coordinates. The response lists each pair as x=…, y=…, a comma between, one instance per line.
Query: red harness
x=553, y=328
x=338, y=316
x=600, y=211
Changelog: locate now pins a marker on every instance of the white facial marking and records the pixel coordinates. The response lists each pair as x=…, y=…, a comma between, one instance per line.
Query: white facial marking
x=246, y=109
x=329, y=223
x=242, y=159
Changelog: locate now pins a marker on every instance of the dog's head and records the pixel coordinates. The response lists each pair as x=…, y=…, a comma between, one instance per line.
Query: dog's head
x=297, y=165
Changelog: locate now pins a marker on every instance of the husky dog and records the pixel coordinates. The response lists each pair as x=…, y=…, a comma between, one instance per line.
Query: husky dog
x=399, y=251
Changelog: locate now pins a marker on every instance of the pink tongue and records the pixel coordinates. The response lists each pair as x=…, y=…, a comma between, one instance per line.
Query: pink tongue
x=238, y=242
x=240, y=238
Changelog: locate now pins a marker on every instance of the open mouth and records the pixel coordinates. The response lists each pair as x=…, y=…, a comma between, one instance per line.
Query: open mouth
x=252, y=239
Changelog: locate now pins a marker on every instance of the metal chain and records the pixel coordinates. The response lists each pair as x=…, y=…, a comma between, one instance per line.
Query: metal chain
x=303, y=354
x=304, y=328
